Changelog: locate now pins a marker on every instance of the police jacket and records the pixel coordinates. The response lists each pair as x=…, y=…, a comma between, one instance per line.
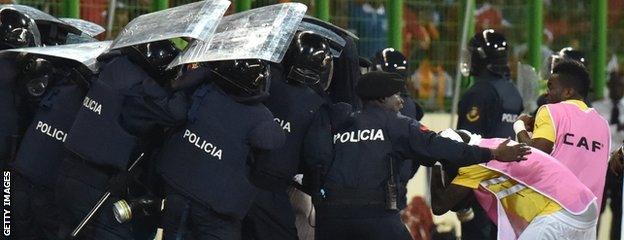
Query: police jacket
x=411, y=108
x=295, y=107
x=41, y=150
x=364, y=144
x=208, y=158
x=345, y=75
x=8, y=108
x=490, y=107
x=121, y=113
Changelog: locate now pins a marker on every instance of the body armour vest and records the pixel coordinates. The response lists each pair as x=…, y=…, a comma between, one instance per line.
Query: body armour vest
x=207, y=159
x=582, y=144
x=294, y=108
x=362, y=150
x=41, y=150
x=510, y=107
x=97, y=135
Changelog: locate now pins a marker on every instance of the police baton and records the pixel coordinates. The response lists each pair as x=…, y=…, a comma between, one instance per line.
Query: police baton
x=97, y=206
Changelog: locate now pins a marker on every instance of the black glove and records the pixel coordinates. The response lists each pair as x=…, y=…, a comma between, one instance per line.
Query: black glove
x=119, y=183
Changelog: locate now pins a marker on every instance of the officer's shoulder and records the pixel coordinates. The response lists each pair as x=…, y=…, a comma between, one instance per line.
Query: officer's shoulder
x=480, y=90
x=340, y=114
x=259, y=112
x=407, y=121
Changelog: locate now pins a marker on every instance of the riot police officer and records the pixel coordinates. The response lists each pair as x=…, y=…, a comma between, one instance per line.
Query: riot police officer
x=58, y=87
x=122, y=117
x=297, y=100
x=16, y=30
x=205, y=163
x=489, y=107
x=391, y=60
x=359, y=188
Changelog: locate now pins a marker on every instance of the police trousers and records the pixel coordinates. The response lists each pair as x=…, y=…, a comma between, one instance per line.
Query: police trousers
x=34, y=210
x=357, y=224
x=187, y=219
x=78, y=189
x=271, y=217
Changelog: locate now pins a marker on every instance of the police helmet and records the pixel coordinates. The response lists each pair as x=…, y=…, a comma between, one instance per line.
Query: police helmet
x=565, y=53
x=17, y=30
x=309, y=60
x=488, y=51
x=390, y=60
x=53, y=34
x=242, y=78
x=154, y=58
x=571, y=53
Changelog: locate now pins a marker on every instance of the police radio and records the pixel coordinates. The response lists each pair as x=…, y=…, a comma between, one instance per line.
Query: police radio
x=391, y=188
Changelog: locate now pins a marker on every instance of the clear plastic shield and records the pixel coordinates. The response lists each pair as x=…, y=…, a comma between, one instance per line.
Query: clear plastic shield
x=195, y=20
x=261, y=33
x=33, y=13
x=82, y=38
x=327, y=25
x=527, y=82
x=84, y=53
x=466, y=62
x=87, y=28
x=40, y=16
x=336, y=41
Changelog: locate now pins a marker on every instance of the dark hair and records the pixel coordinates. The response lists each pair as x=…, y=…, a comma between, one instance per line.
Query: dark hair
x=574, y=75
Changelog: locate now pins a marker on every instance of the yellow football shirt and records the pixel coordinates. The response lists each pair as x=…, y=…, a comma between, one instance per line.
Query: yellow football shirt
x=525, y=203
x=544, y=127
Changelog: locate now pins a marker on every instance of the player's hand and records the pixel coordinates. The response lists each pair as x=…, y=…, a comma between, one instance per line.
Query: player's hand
x=513, y=153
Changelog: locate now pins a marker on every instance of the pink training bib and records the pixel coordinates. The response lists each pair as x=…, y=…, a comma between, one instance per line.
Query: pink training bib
x=542, y=173
x=582, y=144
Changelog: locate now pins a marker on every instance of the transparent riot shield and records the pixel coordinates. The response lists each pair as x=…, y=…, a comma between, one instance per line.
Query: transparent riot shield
x=262, y=33
x=527, y=82
x=195, y=20
x=84, y=53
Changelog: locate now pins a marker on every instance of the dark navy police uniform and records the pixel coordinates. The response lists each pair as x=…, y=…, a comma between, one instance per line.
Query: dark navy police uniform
x=38, y=159
x=122, y=112
x=354, y=204
x=296, y=108
x=8, y=109
x=489, y=107
x=206, y=165
x=411, y=108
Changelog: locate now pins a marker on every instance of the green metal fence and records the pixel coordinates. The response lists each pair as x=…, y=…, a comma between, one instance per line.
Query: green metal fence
x=427, y=31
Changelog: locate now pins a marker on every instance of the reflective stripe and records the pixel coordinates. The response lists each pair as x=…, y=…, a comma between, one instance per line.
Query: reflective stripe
x=513, y=189
x=494, y=181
